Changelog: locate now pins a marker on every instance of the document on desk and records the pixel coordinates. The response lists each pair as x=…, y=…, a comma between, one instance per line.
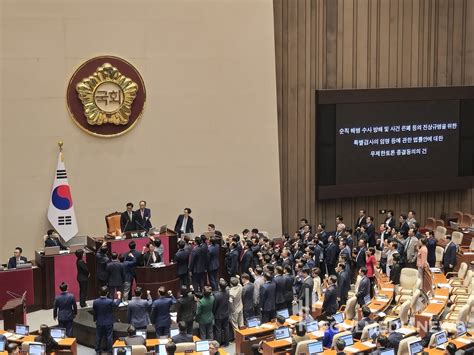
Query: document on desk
x=291, y=321
x=318, y=333
x=368, y=344
x=346, y=326
x=405, y=331
x=267, y=326
x=444, y=285
x=436, y=301
x=351, y=349
x=464, y=340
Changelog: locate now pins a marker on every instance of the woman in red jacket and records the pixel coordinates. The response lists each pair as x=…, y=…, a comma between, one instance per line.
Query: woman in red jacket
x=370, y=263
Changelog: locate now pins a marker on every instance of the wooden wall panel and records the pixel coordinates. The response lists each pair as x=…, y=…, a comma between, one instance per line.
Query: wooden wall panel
x=329, y=44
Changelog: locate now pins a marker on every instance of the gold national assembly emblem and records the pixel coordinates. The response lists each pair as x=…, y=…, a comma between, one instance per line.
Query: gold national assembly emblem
x=106, y=96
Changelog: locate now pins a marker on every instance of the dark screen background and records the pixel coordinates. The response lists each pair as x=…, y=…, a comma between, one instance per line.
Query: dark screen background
x=356, y=163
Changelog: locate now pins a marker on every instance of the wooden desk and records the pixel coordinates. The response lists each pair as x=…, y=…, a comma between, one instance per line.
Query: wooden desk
x=56, y=269
x=149, y=278
x=64, y=344
x=243, y=345
x=458, y=342
x=464, y=256
x=19, y=281
x=150, y=343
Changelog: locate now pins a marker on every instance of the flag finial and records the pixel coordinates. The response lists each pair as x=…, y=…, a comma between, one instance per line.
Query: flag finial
x=60, y=144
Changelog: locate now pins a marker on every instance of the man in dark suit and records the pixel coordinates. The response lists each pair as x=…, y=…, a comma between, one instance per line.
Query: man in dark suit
x=184, y=223
x=82, y=277
x=360, y=255
x=404, y=227
x=182, y=336
x=198, y=261
x=449, y=256
x=133, y=255
x=138, y=308
x=151, y=256
x=213, y=265
x=390, y=220
x=221, y=310
x=127, y=219
x=370, y=230
x=364, y=287
x=305, y=295
x=185, y=309
x=247, y=296
x=288, y=289
x=330, y=304
x=103, y=309
x=246, y=258
x=115, y=275
x=366, y=320
x=52, y=240
x=160, y=312
x=181, y=258
x=65, y=309
x=279, y=282
x=17, y=258
x=331, y=255
x=102, y=260
x=361, y=220
x=142, y=217
x=344, y=250
x=232, y=260
x=343, y=283
x=267, y=298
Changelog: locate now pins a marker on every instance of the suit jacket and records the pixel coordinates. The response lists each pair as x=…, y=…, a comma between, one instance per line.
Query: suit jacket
x=364, y=290
x=288, y=289
x=160, y=311
x=143, y=222
x=247, y=296
x=390, y=222
x=213, y=257
x=267, y=296
x=181, y=258
x=115, y=274
x=147, y=258
x=343, y=284
x=404, y=229
x=330, y=304
x=221, y=307
x=232, y=262
x=12, y=261
x=317, y=255
x=65, y=308
x=246, y=261
x=360, y=222
x=53, y=242
x=235, y=299
x=185, y=308
x=360, y=258
x=82, y=270
x=101, y=261
x=410, y=249
x=331, y=254
x=306, y=292
x=127, y=224
x=189, y=228
x=280, y=282
x=395, y=274
x=182, y=337
x=103, y=308
x=371, y=235
x=449, y=256
x=198, y=259
x=137, y=312
x=346, y=251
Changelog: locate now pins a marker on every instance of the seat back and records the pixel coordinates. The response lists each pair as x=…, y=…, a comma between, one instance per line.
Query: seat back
x=139, y=350
x=365, y=331
x=414, y=299
x=458, y=216
x=440, y=233
x=456, y=238
x=462, y=272
x=183, y=347
x=337, y=336
x=403, y=345
x=466, y=220
x=26, y=344
x=439, y=223
x=464, y=313
x=439, y=255
x=471, y=247
x=302, y=347
x=405, y=311
x=408, y=278
x=430, y=223
x=112, y=221
x=468, y=279
x=350, y=311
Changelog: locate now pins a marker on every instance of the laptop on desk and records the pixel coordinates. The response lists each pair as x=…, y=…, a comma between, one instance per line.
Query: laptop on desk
x=284, y=313
x=282, y=333
x=460, y=329
x=415, y=347
x=315, y=348
x=58, y=333
x=36, y=349
x=441, y=340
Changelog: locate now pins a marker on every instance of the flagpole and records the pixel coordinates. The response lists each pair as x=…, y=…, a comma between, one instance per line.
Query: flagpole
x=60, y=144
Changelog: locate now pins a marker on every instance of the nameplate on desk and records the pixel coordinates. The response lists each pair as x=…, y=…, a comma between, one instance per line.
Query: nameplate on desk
x=468, y=253
x=157, y=265
x=387, y=289
x=444, y=285
x=436, y=301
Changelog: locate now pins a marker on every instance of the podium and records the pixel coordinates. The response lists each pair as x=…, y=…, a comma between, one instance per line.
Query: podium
x=14, y=312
